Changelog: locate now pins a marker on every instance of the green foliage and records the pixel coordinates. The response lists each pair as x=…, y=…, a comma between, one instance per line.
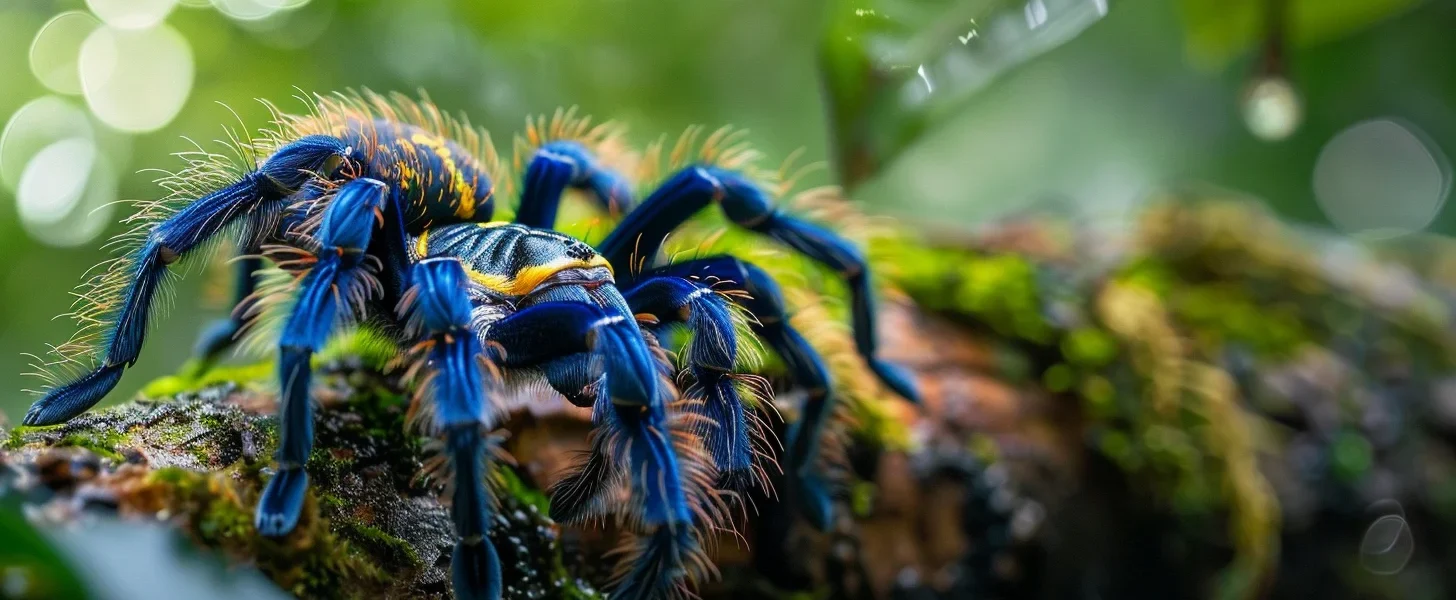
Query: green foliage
x=892, y=70
x=1219, y=30
x=33, y=568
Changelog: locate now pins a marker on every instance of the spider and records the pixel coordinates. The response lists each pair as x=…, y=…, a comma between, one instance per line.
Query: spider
x=380, y=208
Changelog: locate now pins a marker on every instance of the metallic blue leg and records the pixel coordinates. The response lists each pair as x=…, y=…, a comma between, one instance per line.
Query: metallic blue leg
x=807, y=487
x=562, y=164
x=711, y=355
x=336, y=278
x=258, y=192
x=641, y=233
x=631, y=417
x=437, y=312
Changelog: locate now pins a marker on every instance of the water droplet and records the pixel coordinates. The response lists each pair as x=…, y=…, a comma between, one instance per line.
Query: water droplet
x=56, y=48
x=1381, y=178
x=38, y=124
x=131, y=14
x=65, y=193
x=1387, y=545
x=136, y=81
x=1272, y=108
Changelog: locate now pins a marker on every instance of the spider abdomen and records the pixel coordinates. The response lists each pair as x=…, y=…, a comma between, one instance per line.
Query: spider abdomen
x=437, y=180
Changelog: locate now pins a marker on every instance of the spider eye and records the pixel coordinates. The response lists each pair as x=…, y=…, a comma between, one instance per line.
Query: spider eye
x=333, y=163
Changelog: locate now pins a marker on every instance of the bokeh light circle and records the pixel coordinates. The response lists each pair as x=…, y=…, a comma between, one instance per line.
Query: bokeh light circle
x=297, y=26
x=37, y=124
x=136, y=81
x=131, y=14
x=65, y=193
x=253, y=10
x=57, y=47
x=1381, y=178
x=1272, y=109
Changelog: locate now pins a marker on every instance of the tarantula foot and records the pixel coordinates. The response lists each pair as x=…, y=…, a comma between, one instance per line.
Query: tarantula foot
x=475, y=570
x=282, y=502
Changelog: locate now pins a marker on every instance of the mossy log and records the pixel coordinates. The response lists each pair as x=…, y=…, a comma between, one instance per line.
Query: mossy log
x=1212, y=408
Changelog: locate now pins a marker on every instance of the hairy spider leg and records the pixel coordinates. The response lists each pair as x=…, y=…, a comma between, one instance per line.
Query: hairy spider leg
x=259, y=194
x=561, y=164
x=437, y=311
x=631, y=418
x=642, y=231
x=221, y=334
x=805, y=368
x=325, y=296
x=712, y=356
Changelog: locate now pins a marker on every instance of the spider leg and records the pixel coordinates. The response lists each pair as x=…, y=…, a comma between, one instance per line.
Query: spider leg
x=765, y=301
x=631, y=419
x=261, y=191
x=223, y=333
x=712, y=356
x=326, y=295
x=438, y=313
x=643, y=230
x=562, y=164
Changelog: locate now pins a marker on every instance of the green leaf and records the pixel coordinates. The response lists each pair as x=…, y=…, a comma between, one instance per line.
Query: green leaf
x=28, y=559
x=891, y=69
x=1220, y=30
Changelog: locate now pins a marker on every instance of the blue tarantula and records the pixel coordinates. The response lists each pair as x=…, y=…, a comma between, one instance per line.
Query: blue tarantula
x=381, y=208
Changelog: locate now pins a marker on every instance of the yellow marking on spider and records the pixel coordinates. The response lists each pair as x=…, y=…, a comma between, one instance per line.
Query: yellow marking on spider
x=529, y=278
x=422, y=245
x=493, y=224
x=463, y=190
x=406, y=174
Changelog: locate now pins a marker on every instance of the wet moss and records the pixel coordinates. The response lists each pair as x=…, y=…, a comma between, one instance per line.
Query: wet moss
x=15, y=438
x=188, y=380
x=377, y=542
x=215, y=509
x=104, y=444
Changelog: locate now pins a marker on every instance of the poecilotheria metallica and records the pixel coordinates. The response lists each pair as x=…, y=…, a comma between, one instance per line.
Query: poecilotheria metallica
x=380, y=210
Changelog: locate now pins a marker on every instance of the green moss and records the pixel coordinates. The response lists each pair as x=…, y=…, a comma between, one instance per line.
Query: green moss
x=311, y=562
x=189, y=380
x=374, y=349
x=104, y=443
x=389, y=548
x=1089, y=347
x=14, y=439
x=1351, y=456
x=511, y=484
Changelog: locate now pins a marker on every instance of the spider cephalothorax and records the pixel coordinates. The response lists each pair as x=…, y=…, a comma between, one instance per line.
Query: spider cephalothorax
x=380, y=210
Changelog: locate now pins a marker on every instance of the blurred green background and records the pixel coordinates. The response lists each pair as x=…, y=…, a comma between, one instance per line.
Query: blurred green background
x=1077, y=106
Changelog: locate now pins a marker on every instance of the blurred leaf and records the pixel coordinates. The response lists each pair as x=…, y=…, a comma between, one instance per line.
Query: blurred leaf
x=893, y=68
x=131, y=560
x=1219, y=30
x=29, y=563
